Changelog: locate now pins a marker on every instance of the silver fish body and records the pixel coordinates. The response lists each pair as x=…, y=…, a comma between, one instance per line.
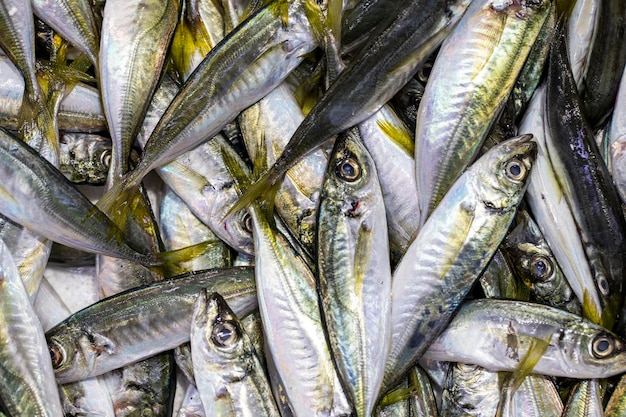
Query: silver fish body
x=27, y=386
x=502, y=331
x=488, y=47
x=354, y=272
x=122, y=329
x=229, y=375
x=453, y=248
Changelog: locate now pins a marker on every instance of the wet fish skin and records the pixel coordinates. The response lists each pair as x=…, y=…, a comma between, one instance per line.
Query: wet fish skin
x=27, y=385
x=452, y=249
x=587, y=184
x=140, y=323
x=537, y=267
x=89, y=397
x=85, y=158
x=616, y=405
x=132, y=54
x=391, y=146
x=503, y=330
x=423, y=403
x=241, y=69
x=74, y=21
x=266, y=128
x=368, y=82
x=17, y=39
x=585, y=399
x=606, y=63
x=200, y=177
x=617, y=138
x=470, y=390
x=62, y=213
x=229, y=375
x=354, y=270
x=488, y=47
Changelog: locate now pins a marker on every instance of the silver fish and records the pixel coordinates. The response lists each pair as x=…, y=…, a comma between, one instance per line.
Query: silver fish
x=453, y=248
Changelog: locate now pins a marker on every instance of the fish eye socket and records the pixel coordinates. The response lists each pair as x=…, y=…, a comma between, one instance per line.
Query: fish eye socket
x=225, y=334
x=247, y=222
x=424, y=72
x=57, y=354
x=105, y=158
x=602, y=346
x=541, y=267
x=348, y=169
x=603, y=285
x=466, y=367
x=515, y=170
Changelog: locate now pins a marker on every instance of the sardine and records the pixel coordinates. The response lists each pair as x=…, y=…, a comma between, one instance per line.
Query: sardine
x=453, y=248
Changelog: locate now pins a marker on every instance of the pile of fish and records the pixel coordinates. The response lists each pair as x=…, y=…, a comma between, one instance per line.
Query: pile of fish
x=313, y=207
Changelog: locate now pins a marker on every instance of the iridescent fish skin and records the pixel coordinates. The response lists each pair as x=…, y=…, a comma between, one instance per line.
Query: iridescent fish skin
x=502, y=331
x=229, y=375
x=241, y=69
x=266, y=128
x=391, y=146
x=27, y=386
x=537, y=267
x=587, y=185
x=606, y=63
x=137, y=324
x=470, y=390
x=201, y=178
x=62, y=213
x=368, y=82
x=132, y=54
x=488, y=48
x=17, y=39
x=85, y=158
x=617, y=137
x=73, y=20
x=452, y=249
x=585, y=399
x=354, y=271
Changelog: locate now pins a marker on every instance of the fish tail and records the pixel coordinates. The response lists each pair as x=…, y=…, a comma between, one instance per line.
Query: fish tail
x=167, y=263
x=118, y=201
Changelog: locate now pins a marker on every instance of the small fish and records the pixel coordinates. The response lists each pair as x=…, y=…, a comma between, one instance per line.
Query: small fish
x=503, y=331
x=452, y=249
x=123, y=329
x=229, y=375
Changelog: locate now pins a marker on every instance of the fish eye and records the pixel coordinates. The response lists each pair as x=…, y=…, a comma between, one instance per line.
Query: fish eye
x=225, y=334
x=424, y=72
x=466, y=367
x=515, y=170
x=603, y=285
x=57, y=354
x=348, y=169
x=247, y=222
x=602, y=346
x=541, y=267
x=105, y=158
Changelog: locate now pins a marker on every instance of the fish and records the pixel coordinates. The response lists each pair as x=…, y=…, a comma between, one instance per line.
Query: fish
x=27, y=386
x=367, y=82
x=452, y=249
x=489, y=45
x=354, y=269
x=106, y=335
x=574, y=346
x=229, y=375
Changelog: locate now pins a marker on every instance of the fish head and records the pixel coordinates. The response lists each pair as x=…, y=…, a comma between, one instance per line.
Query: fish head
x=220, y=334
x=502, y=173
x=76, y=351
x=350, y=176
x=589, y=349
